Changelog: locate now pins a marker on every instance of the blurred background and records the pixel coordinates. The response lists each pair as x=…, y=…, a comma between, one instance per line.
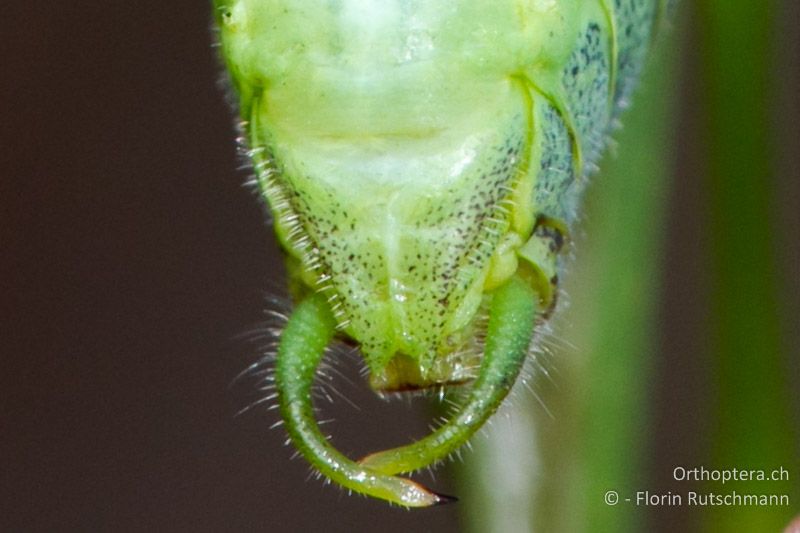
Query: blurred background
x=135, y=270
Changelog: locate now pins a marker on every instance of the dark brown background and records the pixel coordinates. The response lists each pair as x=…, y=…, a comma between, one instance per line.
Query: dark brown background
x=132, y=257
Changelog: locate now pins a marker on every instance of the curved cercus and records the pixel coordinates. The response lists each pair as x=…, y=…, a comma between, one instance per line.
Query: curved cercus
x=303, y=342
x=309, y=330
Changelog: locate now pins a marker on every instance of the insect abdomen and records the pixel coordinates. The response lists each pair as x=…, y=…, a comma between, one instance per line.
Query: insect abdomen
x=409, y=148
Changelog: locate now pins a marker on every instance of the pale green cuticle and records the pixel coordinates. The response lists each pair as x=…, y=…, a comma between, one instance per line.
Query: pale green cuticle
x=408, y=150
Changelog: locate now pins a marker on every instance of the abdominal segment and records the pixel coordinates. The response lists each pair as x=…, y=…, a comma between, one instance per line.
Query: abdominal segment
x=401, y=229
x=408, y=186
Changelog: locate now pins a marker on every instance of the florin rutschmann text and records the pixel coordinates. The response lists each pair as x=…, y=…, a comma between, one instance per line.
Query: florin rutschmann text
x=741, y=497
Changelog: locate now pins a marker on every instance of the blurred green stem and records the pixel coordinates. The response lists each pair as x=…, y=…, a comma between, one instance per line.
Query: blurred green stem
x=753, y=427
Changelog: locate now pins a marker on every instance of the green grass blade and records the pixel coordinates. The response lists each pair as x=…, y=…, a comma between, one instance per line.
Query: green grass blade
x=752, y=428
